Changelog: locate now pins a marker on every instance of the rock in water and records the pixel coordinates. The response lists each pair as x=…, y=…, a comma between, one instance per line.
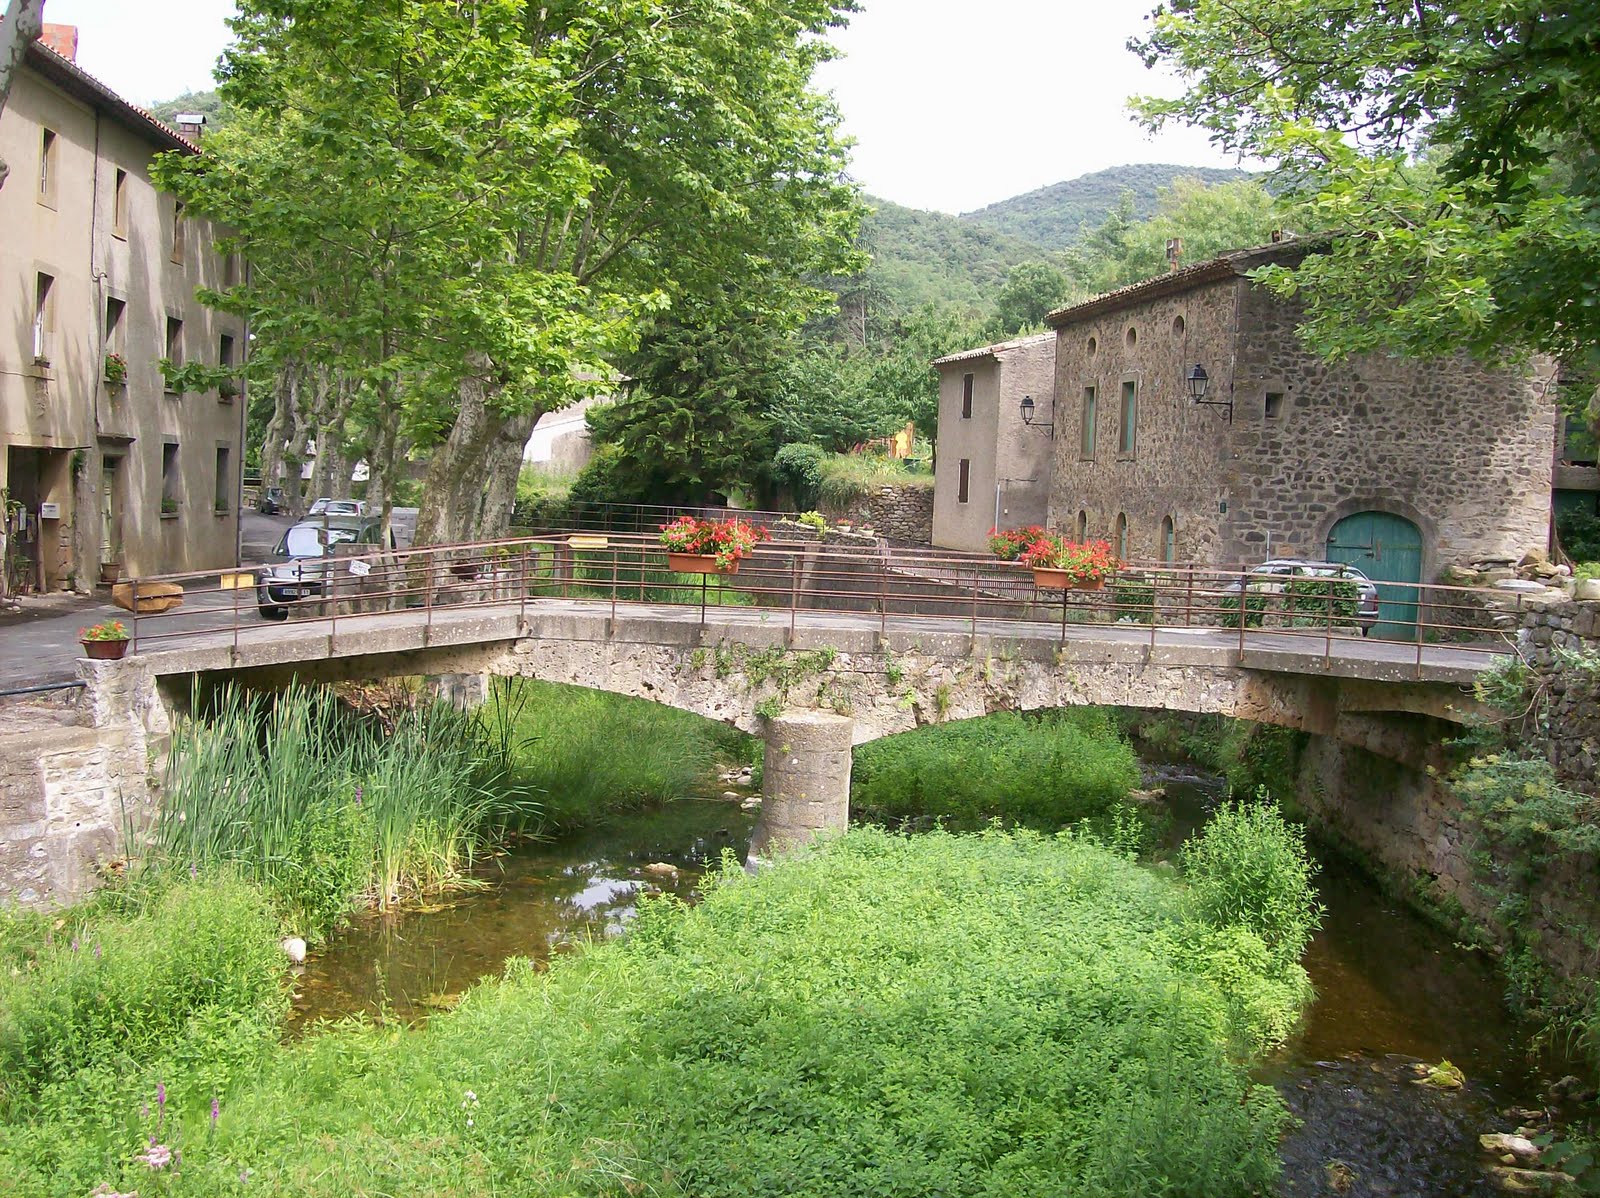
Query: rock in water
x=294, y=948
x=1520, y=1147
x=661, y=869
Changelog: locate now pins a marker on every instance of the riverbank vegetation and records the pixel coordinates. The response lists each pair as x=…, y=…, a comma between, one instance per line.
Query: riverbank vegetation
x=1045, y=771
x=1000, y=1013
x=589, y=754
x=1252, y=757
x=330, y=812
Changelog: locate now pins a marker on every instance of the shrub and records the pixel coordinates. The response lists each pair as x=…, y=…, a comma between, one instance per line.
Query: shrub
x=1316, y=602
x=1578, y=532
x=799, y=465
x=1044, y=771
x=890, y=1016
x=846, y=477
x=1134, y=598
x=122, y=986
x=1248, y=868
x=1255, y=607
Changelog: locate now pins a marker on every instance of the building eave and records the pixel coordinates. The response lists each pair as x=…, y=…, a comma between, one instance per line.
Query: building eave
x=997, y=350
x=81, y=85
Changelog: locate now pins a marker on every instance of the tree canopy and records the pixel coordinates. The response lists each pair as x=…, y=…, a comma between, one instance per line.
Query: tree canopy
x=1451, y=143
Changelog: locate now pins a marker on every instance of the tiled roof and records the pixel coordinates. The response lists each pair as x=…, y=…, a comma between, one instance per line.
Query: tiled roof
x=993, y=351
x=1226, y=266
x=72, y=78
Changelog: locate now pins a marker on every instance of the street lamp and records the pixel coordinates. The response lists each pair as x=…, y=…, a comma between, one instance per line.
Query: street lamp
x=1027, y=407
x=1197, y=381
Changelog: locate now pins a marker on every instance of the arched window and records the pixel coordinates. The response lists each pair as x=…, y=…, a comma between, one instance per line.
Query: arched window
x=1122, y=536
x=1169, y=541
x=1083, y=525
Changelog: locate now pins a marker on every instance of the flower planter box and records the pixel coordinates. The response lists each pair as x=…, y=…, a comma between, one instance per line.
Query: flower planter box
x=1058, y=580
x=104, y=650
x=698, y=563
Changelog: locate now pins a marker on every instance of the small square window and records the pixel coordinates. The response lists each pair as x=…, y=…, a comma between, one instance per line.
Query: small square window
x=1274, y=405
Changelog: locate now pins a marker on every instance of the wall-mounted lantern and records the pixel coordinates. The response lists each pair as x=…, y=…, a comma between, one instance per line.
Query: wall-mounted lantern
x=1197, y=381
x=1027, y=407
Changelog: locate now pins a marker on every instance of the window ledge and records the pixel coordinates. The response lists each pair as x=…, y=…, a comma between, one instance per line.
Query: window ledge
x=221, y=512
x=170, y=515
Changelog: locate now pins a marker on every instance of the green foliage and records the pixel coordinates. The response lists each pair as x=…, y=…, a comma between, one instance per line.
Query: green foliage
x=1251, y=756
x=847, y=477
x=330, y=813
x=1056, y=217
x=1033, y=290
x=887, y=1016
x=570, y=746
x=1255, y=609
x=208, y=103
x=1248, y=868
x=799, y=467
x=1579, y=533
x=921, y=257
x=1045, y=771
x=1433, y=139
x=1317, y=602
x=1517, y=800
x=1134, y=597
x=120, y=985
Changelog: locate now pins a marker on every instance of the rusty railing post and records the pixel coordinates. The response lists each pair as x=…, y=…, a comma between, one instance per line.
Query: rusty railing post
x=1244, y=609
x=522, y=590
x=613, y=590
x=883, y=594
x=133, y=585
x=794, y=590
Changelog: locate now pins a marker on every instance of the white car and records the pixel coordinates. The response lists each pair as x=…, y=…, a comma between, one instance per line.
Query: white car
x=338, y=507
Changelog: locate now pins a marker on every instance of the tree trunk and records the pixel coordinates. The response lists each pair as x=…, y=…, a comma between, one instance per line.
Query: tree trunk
x=504, y=467
x=24, y=19
x=452, y=497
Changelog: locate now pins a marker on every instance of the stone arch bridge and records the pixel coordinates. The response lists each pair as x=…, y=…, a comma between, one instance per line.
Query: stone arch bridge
x=816, y=685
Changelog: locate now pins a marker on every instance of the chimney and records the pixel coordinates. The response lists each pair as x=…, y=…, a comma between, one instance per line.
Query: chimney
x=63, y=39
x=1174, y=253
x=191, y=124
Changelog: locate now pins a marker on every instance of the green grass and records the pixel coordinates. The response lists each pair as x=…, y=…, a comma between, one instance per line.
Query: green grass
x=846, y=477
x=982, y=1015
x=1043, y=771
x=592, y=754
x=330, y=812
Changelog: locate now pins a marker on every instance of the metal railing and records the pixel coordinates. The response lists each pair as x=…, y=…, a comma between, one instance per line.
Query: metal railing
x=802, y=580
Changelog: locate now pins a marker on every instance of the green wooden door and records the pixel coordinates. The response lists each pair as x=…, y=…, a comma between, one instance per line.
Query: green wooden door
x=1387, y=549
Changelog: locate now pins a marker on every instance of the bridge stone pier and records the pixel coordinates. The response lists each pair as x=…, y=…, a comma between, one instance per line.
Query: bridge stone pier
x=805, y=780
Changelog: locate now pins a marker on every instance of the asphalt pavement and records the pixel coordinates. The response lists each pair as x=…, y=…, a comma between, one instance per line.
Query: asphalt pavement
x=39, y=643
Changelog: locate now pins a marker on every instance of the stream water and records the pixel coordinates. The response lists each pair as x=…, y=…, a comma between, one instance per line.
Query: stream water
x=1391, y=990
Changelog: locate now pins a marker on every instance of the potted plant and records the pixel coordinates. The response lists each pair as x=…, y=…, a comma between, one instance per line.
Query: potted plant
x=116, y=370
x=697, y=546
x=228, y=390
x=105, y=641
x=1055, y=563
x=1008, y=545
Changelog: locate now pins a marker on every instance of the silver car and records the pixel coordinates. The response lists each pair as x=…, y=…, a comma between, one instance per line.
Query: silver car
x=296, y=569
x=1270, y=577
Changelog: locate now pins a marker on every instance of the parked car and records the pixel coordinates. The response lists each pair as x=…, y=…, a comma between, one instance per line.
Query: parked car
x=1270, y=577
x=338, y=507
x=296, y=570
x=271, y=501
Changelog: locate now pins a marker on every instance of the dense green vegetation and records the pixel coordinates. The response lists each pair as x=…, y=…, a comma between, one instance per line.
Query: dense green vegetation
x=591, y=753
x=1045, y=771
x=1056, y=217
x=921, y=257
x=330, y=812
x=1252, y=757
x=991, y=1014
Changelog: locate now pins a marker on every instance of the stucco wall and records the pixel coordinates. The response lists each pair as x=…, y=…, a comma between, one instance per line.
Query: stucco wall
x=65, y=406
x=999, y=446
x=1461, y=449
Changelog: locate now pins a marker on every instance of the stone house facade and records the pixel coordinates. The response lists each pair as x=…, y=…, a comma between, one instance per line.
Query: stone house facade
x=96, y=261
x=989, y=467
x=1441, y=462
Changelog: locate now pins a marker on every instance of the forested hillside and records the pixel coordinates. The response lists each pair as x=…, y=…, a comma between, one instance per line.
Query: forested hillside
x=921, y=257
x=1054, y=217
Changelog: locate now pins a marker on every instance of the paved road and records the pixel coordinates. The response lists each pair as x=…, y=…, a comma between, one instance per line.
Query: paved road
x=39, y=644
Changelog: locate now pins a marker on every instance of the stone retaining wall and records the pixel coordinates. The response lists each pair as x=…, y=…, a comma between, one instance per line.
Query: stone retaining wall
x=903, y=513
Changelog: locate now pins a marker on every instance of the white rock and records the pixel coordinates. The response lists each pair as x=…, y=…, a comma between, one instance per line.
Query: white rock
x=731, y=794
x=661, y=869
x=294, y=948
x=1518, y=1146
x=1587, y=588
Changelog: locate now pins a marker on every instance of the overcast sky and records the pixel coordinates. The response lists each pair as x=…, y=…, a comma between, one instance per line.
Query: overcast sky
x=953, y=104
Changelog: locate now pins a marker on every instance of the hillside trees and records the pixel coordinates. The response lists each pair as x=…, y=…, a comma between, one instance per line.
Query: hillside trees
x=469, y=209
x=1454, y=140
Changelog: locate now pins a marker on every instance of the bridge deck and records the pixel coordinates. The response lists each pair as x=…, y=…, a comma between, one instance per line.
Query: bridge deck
x=214, y=639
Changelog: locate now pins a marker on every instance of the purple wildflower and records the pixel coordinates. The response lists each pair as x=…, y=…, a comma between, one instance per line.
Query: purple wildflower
x=161, y=1105
x=96, y=950
x=194, y=871
x=359, y=793
x=157, y=1156
x=74, y=944
x=216, y=1111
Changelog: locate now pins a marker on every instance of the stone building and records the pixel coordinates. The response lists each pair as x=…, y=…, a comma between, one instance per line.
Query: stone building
x=989, y=467
x=1402, y=467
x=95, y=261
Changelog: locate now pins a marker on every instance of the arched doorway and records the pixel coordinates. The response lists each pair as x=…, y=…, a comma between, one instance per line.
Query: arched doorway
x=1388, y=549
